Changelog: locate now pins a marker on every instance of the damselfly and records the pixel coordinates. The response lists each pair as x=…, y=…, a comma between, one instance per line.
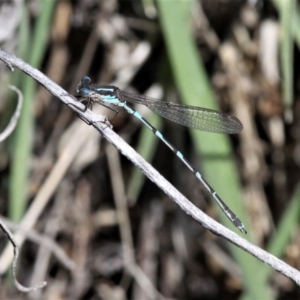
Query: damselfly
x=190, y=116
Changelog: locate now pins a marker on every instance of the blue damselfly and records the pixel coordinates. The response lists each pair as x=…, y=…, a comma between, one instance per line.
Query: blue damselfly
x=190, y=116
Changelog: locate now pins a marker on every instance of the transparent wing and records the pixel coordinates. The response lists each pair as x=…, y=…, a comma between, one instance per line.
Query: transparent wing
x=191, y=116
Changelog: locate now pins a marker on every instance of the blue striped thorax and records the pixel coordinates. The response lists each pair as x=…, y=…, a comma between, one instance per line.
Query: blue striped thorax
x=97, y=93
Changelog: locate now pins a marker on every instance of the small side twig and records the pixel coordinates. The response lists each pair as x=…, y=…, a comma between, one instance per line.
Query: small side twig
x=14, y=119
x=42, y=239
x=19, y=286
x=7, y=132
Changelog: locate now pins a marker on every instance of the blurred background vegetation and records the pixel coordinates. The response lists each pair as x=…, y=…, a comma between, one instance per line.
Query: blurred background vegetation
x=100, y=229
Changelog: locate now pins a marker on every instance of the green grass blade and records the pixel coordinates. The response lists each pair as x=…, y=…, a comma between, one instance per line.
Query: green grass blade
x=286, y=53
x=287, y=226
x=219, y=169
x=296, y=25
x=24, y=132
x=295, y=19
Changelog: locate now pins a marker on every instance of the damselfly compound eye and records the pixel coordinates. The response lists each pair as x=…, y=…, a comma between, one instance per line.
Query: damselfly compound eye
x=83, y=91
x=86, y=80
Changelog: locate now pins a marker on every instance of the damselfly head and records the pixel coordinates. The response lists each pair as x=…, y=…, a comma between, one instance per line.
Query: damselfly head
x=83, y=87
x=85, y=80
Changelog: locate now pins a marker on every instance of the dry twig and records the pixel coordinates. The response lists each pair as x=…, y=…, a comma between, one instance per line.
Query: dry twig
x=97, y=122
